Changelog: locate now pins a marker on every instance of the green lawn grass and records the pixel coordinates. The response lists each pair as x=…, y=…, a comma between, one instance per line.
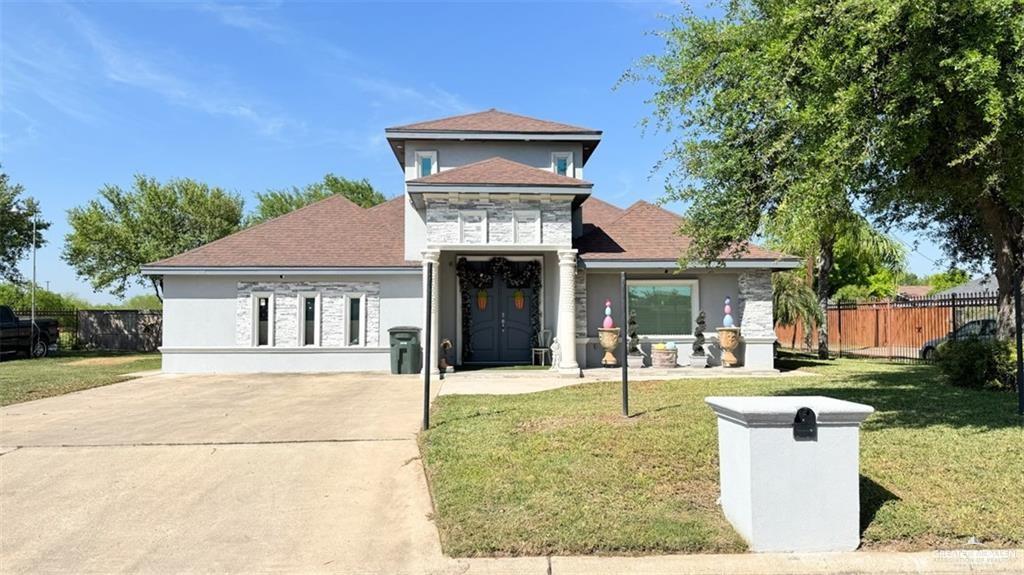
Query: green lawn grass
x=561, y=471
x=27, y=379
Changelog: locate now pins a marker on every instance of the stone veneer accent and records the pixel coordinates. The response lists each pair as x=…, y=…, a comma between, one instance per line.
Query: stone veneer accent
x=286, y=312
x=555, y=218
x=755, y=304
x=581, y=303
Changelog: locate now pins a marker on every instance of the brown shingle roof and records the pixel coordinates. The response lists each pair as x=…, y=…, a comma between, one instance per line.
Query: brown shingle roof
x=644, y=232
x=500, y=172
x=494, y=121
x=330, y=233
x=913, y=291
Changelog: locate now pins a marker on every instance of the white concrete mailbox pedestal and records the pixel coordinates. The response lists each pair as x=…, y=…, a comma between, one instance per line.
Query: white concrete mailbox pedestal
x=785, y=489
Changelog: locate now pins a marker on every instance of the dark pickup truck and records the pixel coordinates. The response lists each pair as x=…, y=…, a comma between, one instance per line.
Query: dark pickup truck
x=18, y=335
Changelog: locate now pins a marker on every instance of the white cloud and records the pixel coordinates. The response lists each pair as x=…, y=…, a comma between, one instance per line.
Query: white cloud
x=131, y=68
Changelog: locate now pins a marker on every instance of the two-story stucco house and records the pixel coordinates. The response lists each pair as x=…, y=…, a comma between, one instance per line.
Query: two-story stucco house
x=523, y=252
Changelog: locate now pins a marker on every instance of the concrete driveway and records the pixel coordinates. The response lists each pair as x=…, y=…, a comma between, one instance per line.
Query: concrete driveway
x=263, y=473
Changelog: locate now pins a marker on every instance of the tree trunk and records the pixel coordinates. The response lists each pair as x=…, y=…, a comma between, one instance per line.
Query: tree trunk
x=827, y=257
x=809, y=327
x=158, y=287
x=1006, y=228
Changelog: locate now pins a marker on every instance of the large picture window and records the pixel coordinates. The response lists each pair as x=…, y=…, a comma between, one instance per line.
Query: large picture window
x=663, y=307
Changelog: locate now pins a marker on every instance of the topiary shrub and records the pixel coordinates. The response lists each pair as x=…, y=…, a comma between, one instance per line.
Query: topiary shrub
x=978, y=363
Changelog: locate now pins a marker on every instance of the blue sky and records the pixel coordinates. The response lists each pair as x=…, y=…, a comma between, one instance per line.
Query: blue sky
x=269, y=95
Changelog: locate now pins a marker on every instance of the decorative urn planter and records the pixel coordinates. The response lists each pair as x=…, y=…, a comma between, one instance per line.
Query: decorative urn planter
x=609, y=339
x=729, y=341
x=664, y=357
x=608, y=336
x=700, y=361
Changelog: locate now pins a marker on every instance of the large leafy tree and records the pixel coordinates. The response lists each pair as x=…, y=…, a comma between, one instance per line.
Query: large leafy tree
x=759, y=149
x=790, y=112
x=16, y=214
x=114, y=235
x=274, y=203
x=941, y=88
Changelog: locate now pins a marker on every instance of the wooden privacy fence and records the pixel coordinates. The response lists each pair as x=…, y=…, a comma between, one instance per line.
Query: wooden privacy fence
x=105, y=329
x=894, y=329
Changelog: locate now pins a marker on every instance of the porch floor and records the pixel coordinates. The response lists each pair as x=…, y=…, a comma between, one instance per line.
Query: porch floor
x=513, y=382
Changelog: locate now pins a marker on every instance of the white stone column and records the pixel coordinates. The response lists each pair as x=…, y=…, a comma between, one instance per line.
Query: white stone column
x=432, y=256
x=757, y=325
x=567, y=311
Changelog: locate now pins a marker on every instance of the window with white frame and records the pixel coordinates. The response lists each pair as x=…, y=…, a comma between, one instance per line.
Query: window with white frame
x=309, y=319
x=473, y=227
x=561, y=164
x=527, y=227
x=663, y=307
x=262, y=319
x=426, y=163
x=355, y=320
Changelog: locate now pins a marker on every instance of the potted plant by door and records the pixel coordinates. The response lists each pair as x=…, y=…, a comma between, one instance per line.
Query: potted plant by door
x=635, y=357
x=698, y=358
x=663, y=355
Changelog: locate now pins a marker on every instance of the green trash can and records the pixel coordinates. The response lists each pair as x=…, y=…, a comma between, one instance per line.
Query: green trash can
x=406, y=354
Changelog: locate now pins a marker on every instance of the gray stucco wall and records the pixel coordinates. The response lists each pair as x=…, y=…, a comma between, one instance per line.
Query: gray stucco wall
x=202, y=310
x=751, y=305
x=452, y=154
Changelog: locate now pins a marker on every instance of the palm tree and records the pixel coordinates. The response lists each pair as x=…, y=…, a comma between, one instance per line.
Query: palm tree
x=794, y=303
x=818, y=231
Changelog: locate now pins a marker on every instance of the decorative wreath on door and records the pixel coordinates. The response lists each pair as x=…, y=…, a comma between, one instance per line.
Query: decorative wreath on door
x=519, y=276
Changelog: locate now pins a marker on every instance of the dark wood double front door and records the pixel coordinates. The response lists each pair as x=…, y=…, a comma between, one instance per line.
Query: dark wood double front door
x=500, y=332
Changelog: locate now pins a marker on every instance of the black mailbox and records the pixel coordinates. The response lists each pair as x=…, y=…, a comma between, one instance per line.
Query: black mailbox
x=805, y=425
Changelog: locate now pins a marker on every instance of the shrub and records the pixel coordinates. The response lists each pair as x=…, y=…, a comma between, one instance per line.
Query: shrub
x=977, y=363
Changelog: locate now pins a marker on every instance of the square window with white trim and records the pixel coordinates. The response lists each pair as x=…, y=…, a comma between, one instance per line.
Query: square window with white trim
x=665, y=308
x=262, y=319
x=561, y=164
x=426, y=164
x=309, y=319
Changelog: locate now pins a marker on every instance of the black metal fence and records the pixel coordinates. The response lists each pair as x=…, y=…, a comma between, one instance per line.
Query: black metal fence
x=104, y=329
x=907, y=329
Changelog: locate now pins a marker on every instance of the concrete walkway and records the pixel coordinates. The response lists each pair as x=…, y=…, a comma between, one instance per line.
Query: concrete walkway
x=518, y=381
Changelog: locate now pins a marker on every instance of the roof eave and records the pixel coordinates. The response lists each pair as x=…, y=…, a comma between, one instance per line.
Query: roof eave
x=638, y=263
x=397, y=137
x=165, y=270
x=579, y=193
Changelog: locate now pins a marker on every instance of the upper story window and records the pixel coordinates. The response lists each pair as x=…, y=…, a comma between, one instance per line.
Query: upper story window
x=561, y=164
x=426, y=164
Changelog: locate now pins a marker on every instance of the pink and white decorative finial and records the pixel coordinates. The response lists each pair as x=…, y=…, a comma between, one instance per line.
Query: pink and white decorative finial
x=609, y=323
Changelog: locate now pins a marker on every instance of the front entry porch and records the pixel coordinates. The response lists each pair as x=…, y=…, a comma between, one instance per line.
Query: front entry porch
x=495, y=308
